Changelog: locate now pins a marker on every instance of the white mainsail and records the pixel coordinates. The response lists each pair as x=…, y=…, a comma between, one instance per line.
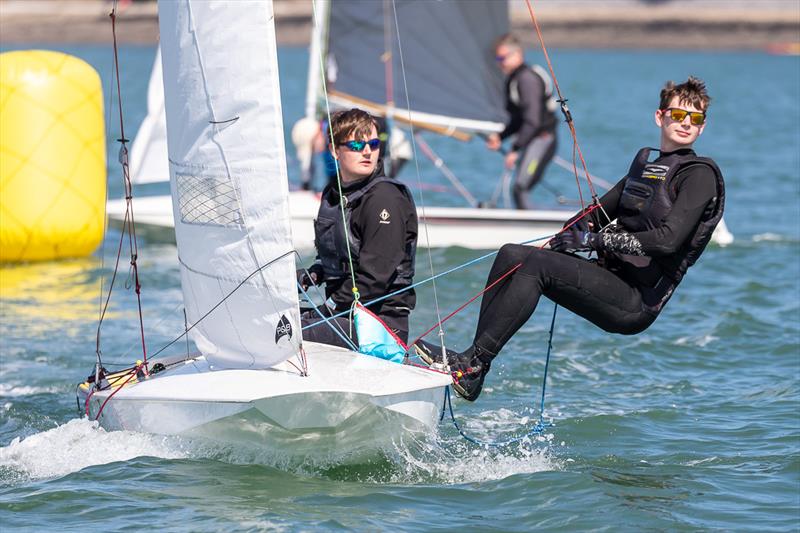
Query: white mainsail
x=228, y=180
x=148, y=159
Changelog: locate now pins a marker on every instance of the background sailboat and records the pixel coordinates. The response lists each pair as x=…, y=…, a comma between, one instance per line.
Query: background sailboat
x=429, y=66
x=466, y=103
x=229, y=193
x=447, y=83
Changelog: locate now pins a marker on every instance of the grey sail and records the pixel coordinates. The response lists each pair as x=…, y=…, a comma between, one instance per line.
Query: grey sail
x=447, y=47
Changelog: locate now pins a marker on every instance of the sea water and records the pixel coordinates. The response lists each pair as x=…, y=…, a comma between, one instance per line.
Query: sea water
x=691, y=425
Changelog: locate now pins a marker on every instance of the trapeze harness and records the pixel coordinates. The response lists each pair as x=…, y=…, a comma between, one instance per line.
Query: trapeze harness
x=646, y=200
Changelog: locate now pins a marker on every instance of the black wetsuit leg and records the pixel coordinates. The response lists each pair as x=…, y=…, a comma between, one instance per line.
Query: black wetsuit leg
x=573, y=282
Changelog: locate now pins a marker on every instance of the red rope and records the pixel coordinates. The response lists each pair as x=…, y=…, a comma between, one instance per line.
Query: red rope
x=445, y=319
x=575, y=146
x=86, y=404
x=134, y=371
x=129, y=223
x=110, y=289
x=513, y=269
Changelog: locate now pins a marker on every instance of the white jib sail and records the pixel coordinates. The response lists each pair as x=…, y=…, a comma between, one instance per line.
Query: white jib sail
x=228, y=180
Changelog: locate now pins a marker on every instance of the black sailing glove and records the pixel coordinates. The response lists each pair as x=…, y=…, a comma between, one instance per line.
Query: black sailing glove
x=584, y=220
x=313, y=276
x=579, y=222
x=575, y=240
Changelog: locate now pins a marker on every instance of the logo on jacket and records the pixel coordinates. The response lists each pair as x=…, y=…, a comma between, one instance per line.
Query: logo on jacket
x=384, y=215
x=283, y=329
x=655, y=172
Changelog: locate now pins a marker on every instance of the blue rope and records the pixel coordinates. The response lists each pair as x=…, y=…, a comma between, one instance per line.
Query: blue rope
x=537, y=428
x=327, y=320
x=428, y=280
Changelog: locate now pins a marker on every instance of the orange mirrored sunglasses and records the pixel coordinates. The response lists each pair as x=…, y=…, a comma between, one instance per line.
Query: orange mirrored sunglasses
x=695, y=117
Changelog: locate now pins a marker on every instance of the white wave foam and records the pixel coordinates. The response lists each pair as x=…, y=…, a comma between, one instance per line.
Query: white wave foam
x=439, y=459
x=12, y=390
x=699, y=341
x=452, y=459
x=704, y=460
x=769, y=237
x=79, y=444
x=458, y=462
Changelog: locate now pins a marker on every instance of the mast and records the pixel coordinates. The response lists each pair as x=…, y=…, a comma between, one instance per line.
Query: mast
x=305, y=130
x=316, y=51
x=388, y=68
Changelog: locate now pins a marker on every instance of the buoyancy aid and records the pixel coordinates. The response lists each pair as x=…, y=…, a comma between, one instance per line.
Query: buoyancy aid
x=331, y=240
x=645, y=202
x=549, y=103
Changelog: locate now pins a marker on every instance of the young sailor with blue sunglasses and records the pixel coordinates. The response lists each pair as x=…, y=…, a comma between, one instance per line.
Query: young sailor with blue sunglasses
x=377, y=235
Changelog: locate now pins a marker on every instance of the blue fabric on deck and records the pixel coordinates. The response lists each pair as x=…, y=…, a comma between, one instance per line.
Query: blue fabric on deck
x=374, y=338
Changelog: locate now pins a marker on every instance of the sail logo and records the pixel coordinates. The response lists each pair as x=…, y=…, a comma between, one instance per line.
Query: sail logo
x=283, y=329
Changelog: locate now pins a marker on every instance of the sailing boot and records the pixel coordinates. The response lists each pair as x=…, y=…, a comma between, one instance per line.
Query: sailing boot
x=432, y=353
x=469, y=369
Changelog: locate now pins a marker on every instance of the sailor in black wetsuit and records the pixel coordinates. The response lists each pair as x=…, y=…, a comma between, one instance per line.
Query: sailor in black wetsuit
x=380, y=232
x=532, y=122
x=666, y=210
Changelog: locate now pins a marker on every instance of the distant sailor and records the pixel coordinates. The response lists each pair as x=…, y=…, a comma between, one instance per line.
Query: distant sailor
x=380, y=232
x=665, y=210
x=532, y=122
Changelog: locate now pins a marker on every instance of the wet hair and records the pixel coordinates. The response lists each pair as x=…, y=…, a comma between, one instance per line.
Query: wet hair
x=355, y=122
x=692, y=91
x=507, y=39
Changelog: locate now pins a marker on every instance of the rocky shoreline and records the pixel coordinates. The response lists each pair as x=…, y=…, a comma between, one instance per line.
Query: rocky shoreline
x=678, y=24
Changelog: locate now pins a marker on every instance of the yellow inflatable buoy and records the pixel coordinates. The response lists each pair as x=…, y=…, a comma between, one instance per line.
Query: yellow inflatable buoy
x=52, y=156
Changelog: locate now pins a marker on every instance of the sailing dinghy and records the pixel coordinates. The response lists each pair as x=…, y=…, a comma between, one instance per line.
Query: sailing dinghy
x=230, y=203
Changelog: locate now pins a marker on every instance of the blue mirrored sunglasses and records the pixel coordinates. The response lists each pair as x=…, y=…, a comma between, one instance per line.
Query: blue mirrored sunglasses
x=358, y=146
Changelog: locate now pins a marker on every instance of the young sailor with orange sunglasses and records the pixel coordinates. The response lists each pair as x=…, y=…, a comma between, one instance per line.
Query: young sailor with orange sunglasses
x=664, y=211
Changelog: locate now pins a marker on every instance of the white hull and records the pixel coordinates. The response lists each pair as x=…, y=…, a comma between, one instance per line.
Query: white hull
x=349, y=403
x=478, y=229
